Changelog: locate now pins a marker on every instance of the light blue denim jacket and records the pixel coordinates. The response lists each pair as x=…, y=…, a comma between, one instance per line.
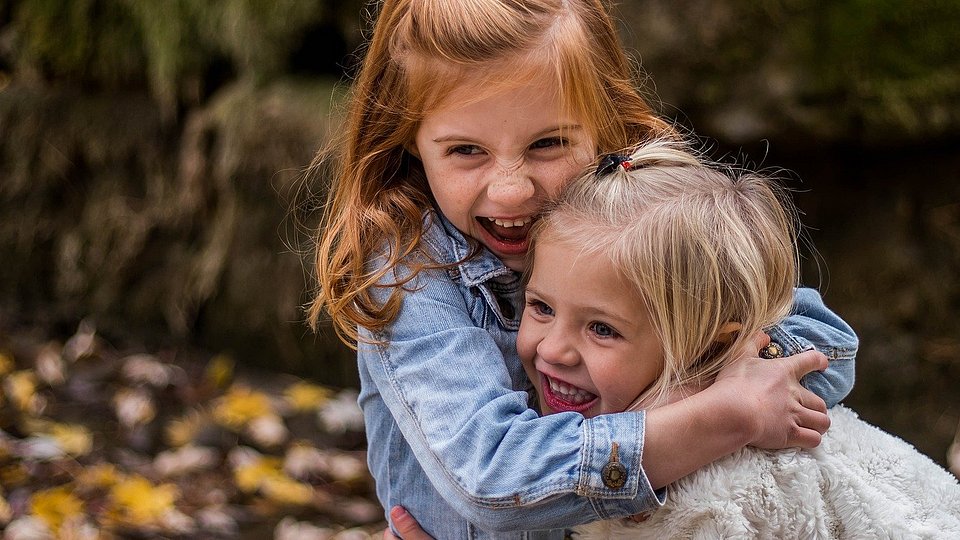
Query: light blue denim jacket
x=451, y=436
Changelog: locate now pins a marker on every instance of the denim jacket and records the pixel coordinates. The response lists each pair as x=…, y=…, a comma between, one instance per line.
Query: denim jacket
x=451, y=435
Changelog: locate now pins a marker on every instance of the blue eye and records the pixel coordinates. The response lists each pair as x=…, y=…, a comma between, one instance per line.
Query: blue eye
x=540, y=308
x=603, y=330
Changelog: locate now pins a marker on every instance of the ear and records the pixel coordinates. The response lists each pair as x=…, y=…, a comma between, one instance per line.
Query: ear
x=412, y=148
x=725, y=334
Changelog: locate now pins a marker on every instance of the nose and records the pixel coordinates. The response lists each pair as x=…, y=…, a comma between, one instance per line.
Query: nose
x=510, y=185
x=557, y=347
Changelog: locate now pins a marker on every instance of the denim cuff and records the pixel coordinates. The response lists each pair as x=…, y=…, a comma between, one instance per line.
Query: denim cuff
x=791, y=344
x=612, y=439
x=833, y=384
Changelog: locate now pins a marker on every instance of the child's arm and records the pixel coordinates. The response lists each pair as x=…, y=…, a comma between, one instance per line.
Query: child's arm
x=813, y=325
x=490, y=456
x=669, y=454
x=505, y=468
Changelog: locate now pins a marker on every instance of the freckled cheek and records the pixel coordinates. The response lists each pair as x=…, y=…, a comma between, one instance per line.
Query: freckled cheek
x=557, y=176
x=454, y=188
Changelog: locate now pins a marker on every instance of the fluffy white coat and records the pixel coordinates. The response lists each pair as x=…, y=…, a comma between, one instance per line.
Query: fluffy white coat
x=861, y=482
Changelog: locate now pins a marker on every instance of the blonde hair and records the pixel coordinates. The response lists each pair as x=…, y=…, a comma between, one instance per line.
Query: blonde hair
x=703, y=247
x=419, y=52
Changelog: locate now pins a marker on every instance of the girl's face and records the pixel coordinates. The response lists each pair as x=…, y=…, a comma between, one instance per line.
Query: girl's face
x=492, y=162
x=585, y=338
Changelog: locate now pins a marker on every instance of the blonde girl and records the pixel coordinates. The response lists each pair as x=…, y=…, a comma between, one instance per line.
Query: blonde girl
x=465, y=117
x=645, y=283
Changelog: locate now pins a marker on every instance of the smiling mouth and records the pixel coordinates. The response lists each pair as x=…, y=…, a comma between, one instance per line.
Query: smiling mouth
x=561, y=396
x=507, y=231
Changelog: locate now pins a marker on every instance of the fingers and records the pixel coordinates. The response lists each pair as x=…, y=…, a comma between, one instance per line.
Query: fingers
x=406, y=525
x=760, y=340
x=812, y=402
x=806, y=438
x=813, y=414
x=806, y=362
x=812, y=421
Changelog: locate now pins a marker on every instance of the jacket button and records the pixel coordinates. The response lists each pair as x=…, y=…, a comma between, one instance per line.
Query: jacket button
x=773, y=350
x=614, y=474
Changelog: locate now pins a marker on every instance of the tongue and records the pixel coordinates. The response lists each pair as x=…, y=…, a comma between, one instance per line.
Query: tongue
x=511, y=234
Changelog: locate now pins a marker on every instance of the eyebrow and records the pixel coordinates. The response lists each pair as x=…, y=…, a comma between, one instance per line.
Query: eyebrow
x=564, y=128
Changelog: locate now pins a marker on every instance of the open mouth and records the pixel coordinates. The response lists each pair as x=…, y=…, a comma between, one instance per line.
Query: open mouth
x=507, y=236
x=561, y=396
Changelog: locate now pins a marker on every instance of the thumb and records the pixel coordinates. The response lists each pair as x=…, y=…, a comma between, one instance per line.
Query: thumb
x=406, y=525
x=806, y=362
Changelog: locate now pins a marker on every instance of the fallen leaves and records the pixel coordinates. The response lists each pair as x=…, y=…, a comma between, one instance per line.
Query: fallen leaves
x=240, y=406
x=99, y=444
x=137, y=501
x=185, y=460
x=55, y=506
x=20, y=388
x=302, y=396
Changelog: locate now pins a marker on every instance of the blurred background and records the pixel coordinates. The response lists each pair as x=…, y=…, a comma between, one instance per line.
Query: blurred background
x=153, y=204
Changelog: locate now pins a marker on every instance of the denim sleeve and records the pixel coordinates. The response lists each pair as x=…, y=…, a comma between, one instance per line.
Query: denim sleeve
x=812, y=325
x=494, y=460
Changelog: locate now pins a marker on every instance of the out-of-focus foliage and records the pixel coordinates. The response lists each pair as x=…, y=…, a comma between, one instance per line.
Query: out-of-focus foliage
x=179, y=48
x=90, y=41
x=835, y=68
x=71, y=466
x=851, y=70
x=889, y=62
x=152, y=149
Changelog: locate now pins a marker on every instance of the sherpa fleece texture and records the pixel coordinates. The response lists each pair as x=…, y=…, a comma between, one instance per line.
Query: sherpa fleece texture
x=861, y=482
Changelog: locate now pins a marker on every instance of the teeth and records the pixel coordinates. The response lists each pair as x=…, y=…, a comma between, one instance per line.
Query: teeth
x=570, y=394
x=511, y=222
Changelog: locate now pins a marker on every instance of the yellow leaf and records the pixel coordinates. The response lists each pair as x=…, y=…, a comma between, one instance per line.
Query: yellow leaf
x=265, y=474
x=285, y=490
x=103, y=475
x=250, y=476
x=140, y=502
x=182, y=431
x=75, y=440
x=54, y=506
x=241, y=405
x=21, y=389
x=219, y=371
x=303, y=396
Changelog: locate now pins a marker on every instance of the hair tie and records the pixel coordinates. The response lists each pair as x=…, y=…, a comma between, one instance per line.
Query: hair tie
x=609, y=162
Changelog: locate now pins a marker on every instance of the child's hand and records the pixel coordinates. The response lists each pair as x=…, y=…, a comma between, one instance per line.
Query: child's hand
x=408, y=527
x=778, y=412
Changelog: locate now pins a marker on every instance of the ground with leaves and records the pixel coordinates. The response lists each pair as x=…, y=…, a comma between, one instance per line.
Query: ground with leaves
x=98, y=442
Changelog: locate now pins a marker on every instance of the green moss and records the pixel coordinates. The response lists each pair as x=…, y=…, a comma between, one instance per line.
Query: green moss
x=91, y=41
x=168, y=46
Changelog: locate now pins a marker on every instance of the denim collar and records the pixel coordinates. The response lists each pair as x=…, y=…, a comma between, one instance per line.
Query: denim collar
x=475, y=270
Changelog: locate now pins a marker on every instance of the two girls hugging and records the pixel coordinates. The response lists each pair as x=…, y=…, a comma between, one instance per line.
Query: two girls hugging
x=651, y=285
